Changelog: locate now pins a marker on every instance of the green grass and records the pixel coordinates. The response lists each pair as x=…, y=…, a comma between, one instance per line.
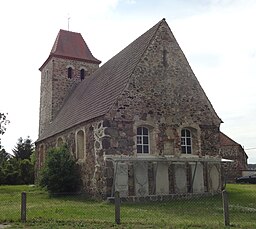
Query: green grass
x=78, y=212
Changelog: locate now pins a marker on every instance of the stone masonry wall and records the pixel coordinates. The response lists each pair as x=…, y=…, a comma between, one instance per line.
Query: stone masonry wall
x=45, y=97
x=233, y=169
x=62, y=85
x=92, y=166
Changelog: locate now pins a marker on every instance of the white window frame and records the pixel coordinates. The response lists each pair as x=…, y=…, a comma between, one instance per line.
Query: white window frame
x=143, y=140
x=186, y=142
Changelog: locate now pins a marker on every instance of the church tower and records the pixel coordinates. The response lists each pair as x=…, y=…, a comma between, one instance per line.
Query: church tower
x=70, y=61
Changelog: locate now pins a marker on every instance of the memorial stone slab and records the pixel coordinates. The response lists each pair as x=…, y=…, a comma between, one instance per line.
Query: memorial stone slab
x=214, y=179
x=141, y=178
x=197, y=177
x=162, y=179
x=121, y=181
x=180, y=174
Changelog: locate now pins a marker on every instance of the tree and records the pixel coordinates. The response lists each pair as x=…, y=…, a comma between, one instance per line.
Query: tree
x=4, y=156
x=23, y=149
x=23, y=152
x=11, y=171
x=60, y=173
x=18, y=169
x=3, y=122
x=26, y=168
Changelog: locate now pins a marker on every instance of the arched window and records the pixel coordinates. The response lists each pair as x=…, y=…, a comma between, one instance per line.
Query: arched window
x=60, y=141
x=142, y=140
x=80, y=144
x=70, y=72
x=186, y=141
x=82, y=74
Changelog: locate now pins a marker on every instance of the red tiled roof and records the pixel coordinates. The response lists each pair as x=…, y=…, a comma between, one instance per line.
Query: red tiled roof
x=95, y=95
x=71, y=45
x=227, y=141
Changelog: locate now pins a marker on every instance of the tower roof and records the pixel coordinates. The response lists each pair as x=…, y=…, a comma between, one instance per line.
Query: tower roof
x=71, y=45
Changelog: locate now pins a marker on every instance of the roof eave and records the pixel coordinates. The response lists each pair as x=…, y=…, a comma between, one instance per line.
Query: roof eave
x=42, y=138
x=68, y=57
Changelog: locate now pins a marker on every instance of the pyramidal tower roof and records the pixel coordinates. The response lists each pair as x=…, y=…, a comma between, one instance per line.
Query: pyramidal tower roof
x=71, y=45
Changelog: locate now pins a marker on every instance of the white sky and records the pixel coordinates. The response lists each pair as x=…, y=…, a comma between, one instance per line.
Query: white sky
x=217, y=36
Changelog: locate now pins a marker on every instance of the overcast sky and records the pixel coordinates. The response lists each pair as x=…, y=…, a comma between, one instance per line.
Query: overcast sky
x=217, y=36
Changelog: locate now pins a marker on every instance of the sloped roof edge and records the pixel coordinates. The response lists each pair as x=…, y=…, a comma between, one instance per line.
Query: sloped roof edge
x=227, y=141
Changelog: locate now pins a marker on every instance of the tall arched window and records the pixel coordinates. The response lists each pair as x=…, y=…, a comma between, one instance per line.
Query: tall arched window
x=80, y=144
x=142, y=140
x=82, y=74
x=186, y=141
x=70, y=72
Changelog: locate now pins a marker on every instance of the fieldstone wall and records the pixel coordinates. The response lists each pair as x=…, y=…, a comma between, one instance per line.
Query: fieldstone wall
x=233, y=169
x=92, y=165
x=45, y=97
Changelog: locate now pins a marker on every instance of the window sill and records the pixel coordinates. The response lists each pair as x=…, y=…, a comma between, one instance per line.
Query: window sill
x=183, y=155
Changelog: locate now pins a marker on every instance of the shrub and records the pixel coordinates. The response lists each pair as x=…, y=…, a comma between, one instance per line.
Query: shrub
x=60, y=173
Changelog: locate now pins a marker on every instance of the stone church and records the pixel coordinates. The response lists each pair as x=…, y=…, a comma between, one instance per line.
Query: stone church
x=140, y=124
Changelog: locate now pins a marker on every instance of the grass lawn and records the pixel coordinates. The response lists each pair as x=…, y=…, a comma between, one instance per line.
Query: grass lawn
x=78, y=212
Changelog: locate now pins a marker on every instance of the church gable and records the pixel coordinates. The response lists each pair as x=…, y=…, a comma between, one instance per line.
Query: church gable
x=164, y=85
x=163, y=96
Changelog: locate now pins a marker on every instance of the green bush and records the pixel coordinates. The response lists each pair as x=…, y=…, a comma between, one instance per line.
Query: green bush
x=60, y=173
